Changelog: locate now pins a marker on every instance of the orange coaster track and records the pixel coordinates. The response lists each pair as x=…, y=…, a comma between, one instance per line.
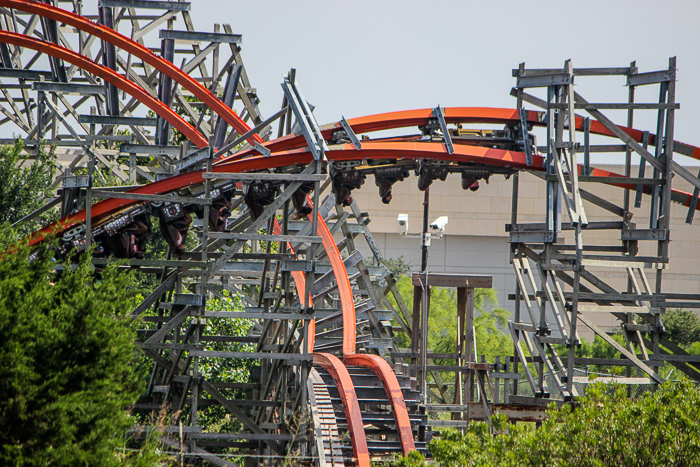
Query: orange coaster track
x=113, y=37
x=291, y=151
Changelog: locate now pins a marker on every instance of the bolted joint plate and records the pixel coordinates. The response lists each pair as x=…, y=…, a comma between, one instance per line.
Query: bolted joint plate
x=296, y=265
x=545, y=236
x=188, y=299
x=80, y=181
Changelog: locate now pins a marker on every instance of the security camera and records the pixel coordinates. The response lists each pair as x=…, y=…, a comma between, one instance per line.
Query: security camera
x=402, y=221
x=437, y=227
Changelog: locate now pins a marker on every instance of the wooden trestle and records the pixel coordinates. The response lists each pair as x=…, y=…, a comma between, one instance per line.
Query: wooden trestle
x=326, y=381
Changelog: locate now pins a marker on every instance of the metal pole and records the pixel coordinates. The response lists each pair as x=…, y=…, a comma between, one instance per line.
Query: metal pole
x=424, y=236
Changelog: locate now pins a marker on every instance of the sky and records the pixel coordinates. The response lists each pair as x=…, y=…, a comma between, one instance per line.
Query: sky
x=362, y=57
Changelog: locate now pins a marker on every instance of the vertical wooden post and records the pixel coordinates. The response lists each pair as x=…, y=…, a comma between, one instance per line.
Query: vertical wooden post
x=416, y=330
x=425, y=312
x=506, y=384
x=424, y=237
x=497, y=393
x=461, y=311
x=469, y=340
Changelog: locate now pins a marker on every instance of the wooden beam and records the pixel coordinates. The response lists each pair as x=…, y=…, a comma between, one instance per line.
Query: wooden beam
x=633, y=358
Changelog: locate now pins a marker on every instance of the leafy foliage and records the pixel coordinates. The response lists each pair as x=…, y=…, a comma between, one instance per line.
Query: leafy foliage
x=149, y=453
x=682, y=326
x=489, y=322
x=68, y=349
x=24, y=184
x=598, y=349
x=491, y=341
x=694, y=348
x=397, y=266
x=607, y=428
x=229, y=370
x=412, y=459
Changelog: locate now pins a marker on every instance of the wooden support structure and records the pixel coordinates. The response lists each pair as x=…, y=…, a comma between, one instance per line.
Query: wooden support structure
x=567, y=281
x=268, y=230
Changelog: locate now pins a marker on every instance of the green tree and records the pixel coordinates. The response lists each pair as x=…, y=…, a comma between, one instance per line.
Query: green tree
x=606, y=428
x=214, y=418
x=69, y=360
x=24, y=184
x=489, y=322
x=397, y=266
x=682, y=326
x=599, y=349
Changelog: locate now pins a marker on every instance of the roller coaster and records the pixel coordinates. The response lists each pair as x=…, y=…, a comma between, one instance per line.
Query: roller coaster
x=323, y=390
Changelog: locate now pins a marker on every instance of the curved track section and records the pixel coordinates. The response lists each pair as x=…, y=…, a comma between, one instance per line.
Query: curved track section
x=381, y=368
x=285, y=154
x=373, y=362
x=328, y=447
x=352, y=408
x=344, y=289
x=454, y=115
x=111, y=77
x=379, y=150
x=378, y=365
x=113, y=37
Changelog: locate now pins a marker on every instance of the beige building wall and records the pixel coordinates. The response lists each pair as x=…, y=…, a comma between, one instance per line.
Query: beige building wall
x=476, y=241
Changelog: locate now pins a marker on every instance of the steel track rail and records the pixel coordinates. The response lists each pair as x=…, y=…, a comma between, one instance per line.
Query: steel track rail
x=375, y=363
x=347, y=302
x=110, y=76
x=327, y=437
x=389, y=150
x=334, y=366
x=383, y=370
x=453, y=115
x=350, y=404
x=378, y=150
x=128, y=45
x=370, y=150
